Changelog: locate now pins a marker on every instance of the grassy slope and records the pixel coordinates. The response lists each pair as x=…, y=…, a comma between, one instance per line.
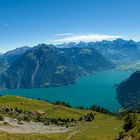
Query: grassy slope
x=52, y=111
x=104, y=127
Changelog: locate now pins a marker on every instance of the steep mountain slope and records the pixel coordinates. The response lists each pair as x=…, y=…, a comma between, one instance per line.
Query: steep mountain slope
x=9, y=57
x=13, y=55
x=131, y=127
x=40, y=67
x=45, y=65
x=129, y=98
x=3, y=64
x=87, y=59
x=128, y=92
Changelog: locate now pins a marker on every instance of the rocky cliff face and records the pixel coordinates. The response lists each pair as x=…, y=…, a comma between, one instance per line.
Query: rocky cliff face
x=45, y=66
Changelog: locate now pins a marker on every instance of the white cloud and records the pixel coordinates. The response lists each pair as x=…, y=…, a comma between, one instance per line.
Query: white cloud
x=71, y=37
x=64, y=34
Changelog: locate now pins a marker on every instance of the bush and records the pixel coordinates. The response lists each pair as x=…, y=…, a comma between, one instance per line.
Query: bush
x=91, y=115
x=5, y=123
x=26, y=118
x=1, y=118
x=39, y=119
x=87, y=117
x=81, y=118
x=19, y=120
x=62, y=103
x=130, y=121
x=100, y=109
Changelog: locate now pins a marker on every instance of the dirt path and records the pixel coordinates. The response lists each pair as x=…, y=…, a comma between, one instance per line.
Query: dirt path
x=77, y=130
x=72, y=134
x=29, y=127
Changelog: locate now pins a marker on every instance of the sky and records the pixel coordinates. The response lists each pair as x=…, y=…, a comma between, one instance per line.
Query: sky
x=30, y=22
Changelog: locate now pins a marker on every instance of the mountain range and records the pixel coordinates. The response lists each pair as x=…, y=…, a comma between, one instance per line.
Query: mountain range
x=45, y=66
x=62, y=64
x=116, y=50
x=48, y=65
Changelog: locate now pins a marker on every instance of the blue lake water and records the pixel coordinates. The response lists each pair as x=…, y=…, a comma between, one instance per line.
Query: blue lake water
x=89, y=90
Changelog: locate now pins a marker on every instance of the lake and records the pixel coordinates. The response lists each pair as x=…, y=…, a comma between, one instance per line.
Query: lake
x=89, y=90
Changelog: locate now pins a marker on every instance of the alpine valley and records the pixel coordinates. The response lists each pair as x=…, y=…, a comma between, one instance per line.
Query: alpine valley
x=87, y=73
x=69, y=70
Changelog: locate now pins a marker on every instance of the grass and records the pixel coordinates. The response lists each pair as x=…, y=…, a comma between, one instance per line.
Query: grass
x=104, y=127
x=52, y=111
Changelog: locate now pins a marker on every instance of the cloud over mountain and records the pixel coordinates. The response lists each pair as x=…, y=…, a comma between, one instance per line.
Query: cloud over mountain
x=71, y=37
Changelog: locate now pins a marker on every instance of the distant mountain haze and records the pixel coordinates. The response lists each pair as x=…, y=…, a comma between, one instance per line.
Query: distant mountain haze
x=115, y=50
